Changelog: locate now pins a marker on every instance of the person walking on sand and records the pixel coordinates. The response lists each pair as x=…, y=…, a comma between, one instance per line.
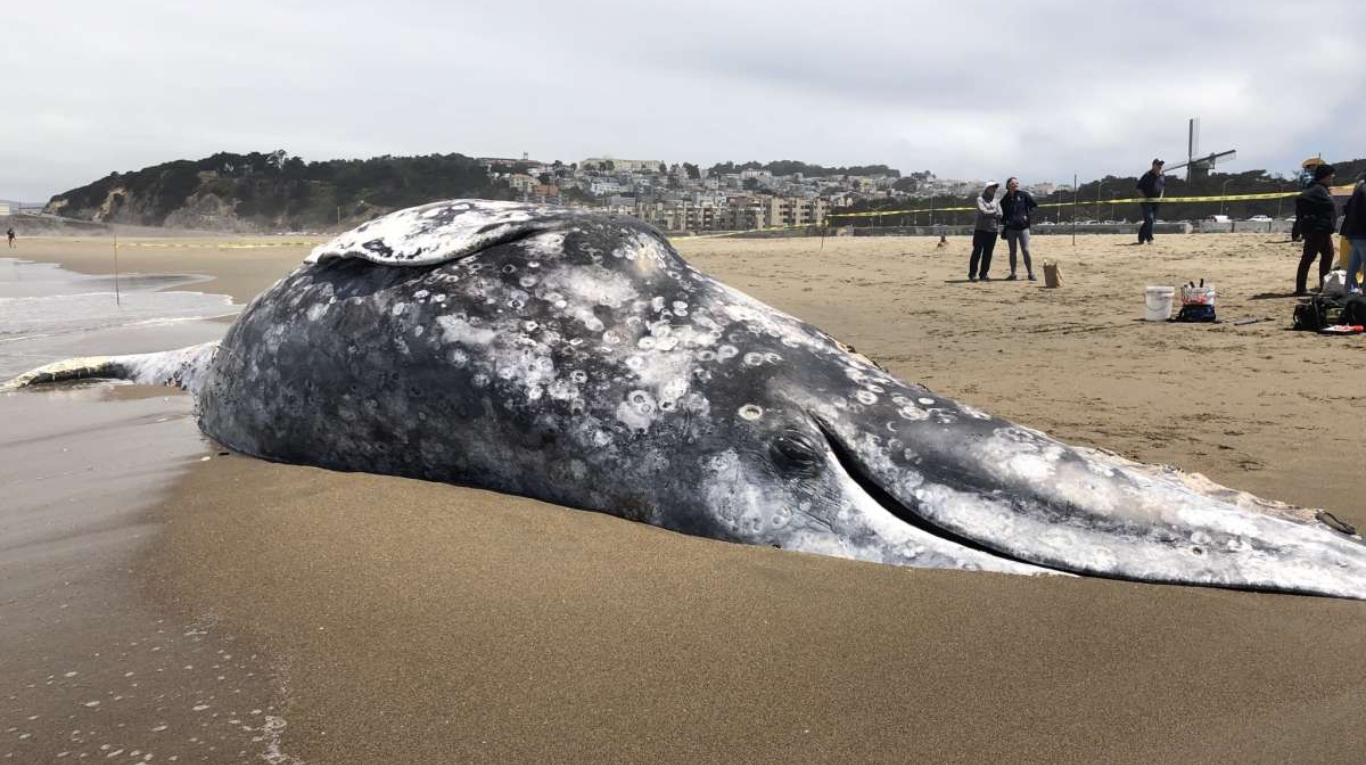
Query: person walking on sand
x=1318, y=220
x=1354, y=231
x=1016, y=207
x=984, y=233
x=1152, y=186
x=10, y=235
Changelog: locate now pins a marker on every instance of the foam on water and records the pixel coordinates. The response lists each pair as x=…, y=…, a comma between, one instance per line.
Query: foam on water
x=41, y=305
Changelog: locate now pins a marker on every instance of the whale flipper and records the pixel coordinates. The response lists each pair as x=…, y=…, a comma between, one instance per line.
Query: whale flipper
x=183, y=368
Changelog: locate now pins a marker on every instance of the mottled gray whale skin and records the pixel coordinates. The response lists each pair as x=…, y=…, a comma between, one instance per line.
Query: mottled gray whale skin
x=576, y=358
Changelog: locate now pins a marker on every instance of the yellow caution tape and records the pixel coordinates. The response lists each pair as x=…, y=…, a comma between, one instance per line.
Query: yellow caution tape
x=1090, y=202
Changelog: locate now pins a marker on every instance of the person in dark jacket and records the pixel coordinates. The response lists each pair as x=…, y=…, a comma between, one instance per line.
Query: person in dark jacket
x=984, y=233
x=1318, y=216
x=1016, y=207
x=1306, y=179
x=1152, y=186
x=1354, y=231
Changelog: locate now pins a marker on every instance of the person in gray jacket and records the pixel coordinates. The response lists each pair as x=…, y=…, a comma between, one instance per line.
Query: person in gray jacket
x=984, y=234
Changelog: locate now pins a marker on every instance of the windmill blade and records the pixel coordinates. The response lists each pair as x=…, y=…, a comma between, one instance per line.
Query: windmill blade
x=1201, y=161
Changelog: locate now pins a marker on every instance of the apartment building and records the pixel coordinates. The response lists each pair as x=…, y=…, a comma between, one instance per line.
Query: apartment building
x=604, y=187
x=622, y=165
x=741, y=213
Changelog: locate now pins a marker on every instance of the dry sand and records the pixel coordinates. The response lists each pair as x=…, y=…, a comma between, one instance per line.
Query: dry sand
x=415, y=622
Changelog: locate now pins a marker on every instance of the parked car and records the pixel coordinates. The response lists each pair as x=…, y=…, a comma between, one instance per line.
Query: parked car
x=1218, y=219
x=1260, y=219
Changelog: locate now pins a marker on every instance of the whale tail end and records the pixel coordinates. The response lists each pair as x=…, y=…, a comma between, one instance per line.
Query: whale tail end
x=184, y=368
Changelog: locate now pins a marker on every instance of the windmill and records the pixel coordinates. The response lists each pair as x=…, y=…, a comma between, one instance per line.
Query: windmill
x=1197, y=166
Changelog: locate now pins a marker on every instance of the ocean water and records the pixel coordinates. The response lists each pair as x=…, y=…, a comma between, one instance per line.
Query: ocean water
x=92, y=666
x=48, y=313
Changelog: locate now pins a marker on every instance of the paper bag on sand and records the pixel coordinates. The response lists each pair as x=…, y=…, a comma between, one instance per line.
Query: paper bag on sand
x=1051, y=277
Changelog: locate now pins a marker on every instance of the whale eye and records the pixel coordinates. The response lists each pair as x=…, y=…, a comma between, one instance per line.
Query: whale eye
x=796, y=452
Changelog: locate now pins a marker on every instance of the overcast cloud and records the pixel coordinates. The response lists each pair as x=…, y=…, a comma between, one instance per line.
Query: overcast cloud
x=1034, y=88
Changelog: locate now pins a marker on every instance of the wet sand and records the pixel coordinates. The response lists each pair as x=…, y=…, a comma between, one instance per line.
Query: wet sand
x=91, y=667
x=415, y=622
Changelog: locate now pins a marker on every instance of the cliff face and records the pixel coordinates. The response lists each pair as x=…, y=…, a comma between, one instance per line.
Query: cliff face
x=272, y=192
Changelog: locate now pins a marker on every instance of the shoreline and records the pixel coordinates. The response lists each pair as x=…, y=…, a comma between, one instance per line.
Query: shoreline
x=425, y=622
x=240, y=273
x=90, y=664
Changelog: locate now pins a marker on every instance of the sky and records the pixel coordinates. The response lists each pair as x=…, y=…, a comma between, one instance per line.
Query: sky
x=1036, y=89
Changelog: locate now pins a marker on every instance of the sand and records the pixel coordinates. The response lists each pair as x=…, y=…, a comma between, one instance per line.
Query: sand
x=406, y=621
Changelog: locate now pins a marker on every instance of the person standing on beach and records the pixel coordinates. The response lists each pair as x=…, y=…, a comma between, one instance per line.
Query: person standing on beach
x=984, y=233
x=1016, y=207
x=1318, y=216
x=10, y=234
x=1354, y=231
x=1306, y=179
x=1152, y=186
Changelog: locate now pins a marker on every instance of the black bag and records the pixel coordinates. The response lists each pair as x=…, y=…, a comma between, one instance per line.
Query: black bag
x=1319, y=311
x=1354, y=310
x=1196, y=313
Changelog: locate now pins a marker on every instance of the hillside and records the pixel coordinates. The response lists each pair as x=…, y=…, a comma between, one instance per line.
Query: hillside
x=256, y=192
x=273, y=192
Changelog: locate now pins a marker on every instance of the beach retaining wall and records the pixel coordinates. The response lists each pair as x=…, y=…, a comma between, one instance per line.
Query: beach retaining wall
x=1036, y=230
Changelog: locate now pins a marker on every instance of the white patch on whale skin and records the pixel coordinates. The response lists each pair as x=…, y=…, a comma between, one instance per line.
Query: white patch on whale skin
x=455, y=329
x=548, y=246
x=666, y=375
x=913, y=413
x=973, y=412
x=578, y=290
x=638, y=411
x=1013, y=455
x=736, y=500
x=751, y=412
x=414, y=237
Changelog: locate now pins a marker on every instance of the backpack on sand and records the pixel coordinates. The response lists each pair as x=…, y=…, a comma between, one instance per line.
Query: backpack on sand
x=1354, y=310
x=1318, y=311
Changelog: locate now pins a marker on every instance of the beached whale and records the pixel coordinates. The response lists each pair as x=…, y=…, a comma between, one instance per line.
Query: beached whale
x=576, y=358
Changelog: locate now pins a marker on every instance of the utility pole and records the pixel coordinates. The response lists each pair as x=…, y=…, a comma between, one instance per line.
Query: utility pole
x=118, y=299
x=1074, y=209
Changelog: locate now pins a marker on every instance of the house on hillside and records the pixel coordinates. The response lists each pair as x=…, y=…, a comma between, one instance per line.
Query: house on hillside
x=522, y=183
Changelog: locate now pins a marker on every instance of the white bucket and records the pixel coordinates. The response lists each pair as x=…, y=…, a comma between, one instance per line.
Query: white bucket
x=1158, y=301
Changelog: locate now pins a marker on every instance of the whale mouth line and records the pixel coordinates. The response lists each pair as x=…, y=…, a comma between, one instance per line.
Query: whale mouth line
x=852, y=467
